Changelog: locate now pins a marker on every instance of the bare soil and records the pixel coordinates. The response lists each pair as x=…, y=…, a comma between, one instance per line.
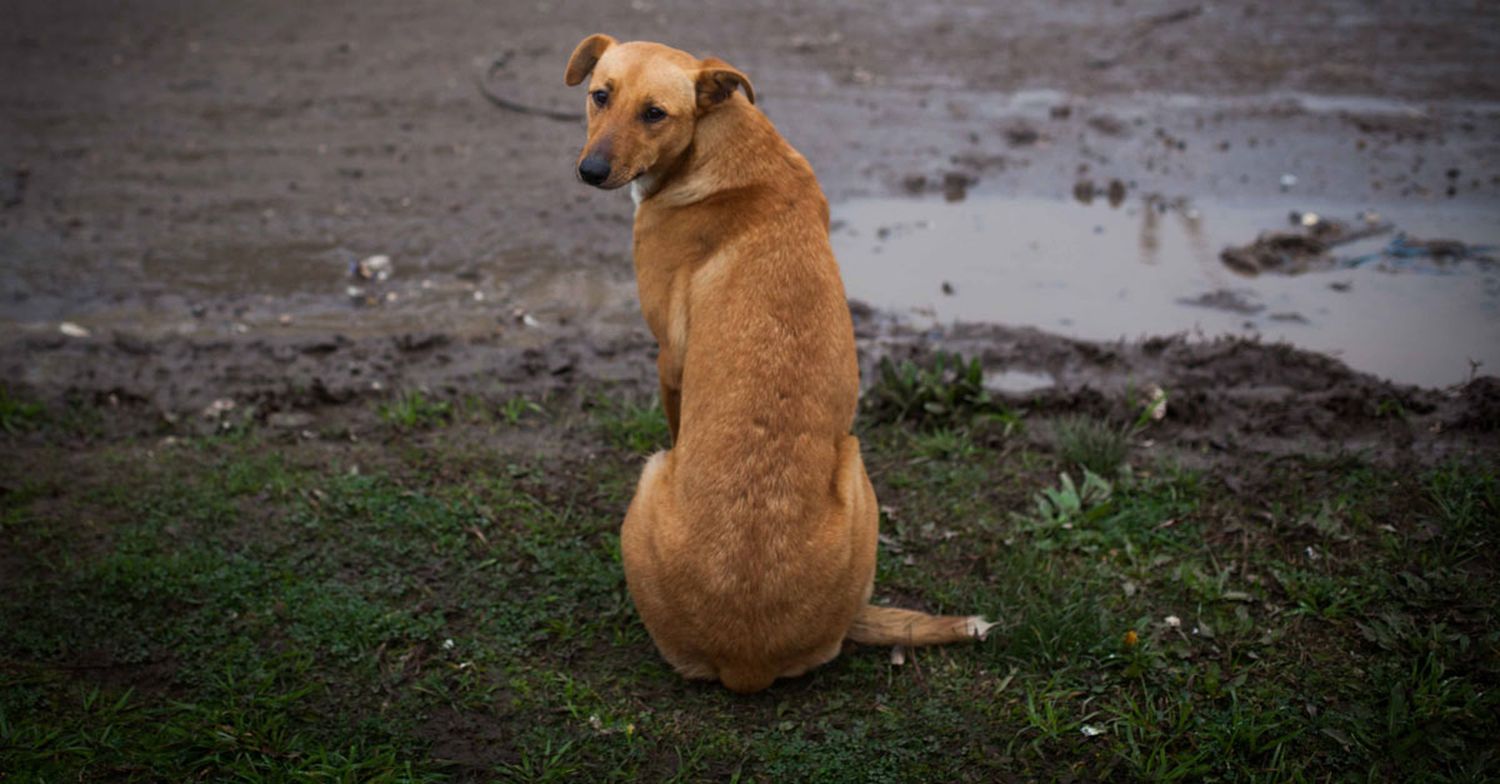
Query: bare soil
x=190, y=182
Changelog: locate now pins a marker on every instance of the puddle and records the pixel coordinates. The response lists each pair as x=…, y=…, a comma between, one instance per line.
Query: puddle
x=1018, y=382
x=1101, y=273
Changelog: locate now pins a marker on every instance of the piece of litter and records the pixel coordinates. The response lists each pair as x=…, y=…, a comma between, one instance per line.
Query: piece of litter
x=1173, y=621
x=1090, y=731
x=448, y=644
x=377, y=268
x=72, y=330
x=1158, y=404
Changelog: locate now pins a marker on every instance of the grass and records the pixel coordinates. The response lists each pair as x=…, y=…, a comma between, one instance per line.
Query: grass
x=946, y=391
x=235, y=606
x=413, y=410
x=18, y=414
x=1091, y=445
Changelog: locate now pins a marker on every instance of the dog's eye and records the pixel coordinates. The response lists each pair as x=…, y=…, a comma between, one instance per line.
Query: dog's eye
x=653, y=114
x=600, y=97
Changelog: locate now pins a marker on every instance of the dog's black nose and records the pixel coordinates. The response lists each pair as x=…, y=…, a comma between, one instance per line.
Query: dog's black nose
x=594, y=170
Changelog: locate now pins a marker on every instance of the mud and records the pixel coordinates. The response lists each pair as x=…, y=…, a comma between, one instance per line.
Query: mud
x=1229, y=400
x=190, y=183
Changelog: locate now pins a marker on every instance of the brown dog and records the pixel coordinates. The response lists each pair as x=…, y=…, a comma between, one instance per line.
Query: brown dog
x=750, y=546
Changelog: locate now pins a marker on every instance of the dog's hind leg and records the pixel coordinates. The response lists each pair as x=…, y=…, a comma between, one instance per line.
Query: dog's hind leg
x=646, y=523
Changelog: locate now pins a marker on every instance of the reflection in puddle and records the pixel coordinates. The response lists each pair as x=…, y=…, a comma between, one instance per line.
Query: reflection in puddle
x=1152, y=267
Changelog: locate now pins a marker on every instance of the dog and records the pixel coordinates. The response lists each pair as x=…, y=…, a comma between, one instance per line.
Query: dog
x=749, y=547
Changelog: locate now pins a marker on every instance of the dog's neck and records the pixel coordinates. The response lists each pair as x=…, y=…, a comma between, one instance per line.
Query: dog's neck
x=745, y=149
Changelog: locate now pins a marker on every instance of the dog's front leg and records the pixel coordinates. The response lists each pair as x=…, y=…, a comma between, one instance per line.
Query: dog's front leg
x=669, y=360
x=671, y=403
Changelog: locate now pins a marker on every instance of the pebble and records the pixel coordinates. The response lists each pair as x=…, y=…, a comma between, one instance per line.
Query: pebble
x=218, y=408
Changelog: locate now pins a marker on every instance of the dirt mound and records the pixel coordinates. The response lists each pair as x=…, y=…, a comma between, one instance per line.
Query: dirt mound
x=1225, y=396
x=1229, y=396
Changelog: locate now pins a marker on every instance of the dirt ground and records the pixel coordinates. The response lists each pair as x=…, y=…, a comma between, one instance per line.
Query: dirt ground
x=189, y=184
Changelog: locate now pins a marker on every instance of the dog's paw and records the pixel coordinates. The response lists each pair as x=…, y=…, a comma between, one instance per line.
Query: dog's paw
x=979, y=628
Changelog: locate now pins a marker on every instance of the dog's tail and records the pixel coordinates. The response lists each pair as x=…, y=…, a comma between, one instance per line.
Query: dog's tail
x=891, y=626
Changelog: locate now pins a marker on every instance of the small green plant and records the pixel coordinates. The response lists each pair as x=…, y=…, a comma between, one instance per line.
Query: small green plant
x=1092, y=445
x=513, y=410
x=1101, y=447
x=945, y=392
x=412, y=410
x=16, y=414
x=1069, y=503
x=634, y=427
x=546, y=764
x=945, y=444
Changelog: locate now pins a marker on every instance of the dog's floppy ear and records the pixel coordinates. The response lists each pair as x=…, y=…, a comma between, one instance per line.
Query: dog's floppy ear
x=717, y=81
x=585, y=56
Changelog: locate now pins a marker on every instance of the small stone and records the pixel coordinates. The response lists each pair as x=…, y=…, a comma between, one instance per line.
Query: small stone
x=218, y=408
x=290, y=420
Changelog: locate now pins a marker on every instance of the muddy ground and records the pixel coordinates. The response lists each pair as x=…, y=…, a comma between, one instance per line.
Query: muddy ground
x=189, y=184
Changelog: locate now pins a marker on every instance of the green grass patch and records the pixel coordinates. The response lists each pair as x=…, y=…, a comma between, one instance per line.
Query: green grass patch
x=250, y=608
x=18, y=414
x=1091, y=445
x=636, y=426
x=414, y=410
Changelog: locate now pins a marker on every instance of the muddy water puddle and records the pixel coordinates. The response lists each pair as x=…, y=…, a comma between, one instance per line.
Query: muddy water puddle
x=1119, y=266
x=1151, y=266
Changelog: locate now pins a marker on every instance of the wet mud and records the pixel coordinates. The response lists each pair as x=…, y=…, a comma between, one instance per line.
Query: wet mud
x=188, y=192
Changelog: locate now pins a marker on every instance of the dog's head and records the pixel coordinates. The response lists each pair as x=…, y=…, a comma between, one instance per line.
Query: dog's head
x=644, y=102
